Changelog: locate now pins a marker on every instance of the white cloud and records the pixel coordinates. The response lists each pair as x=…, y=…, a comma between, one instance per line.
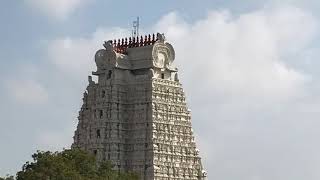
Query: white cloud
x=27, y=91
x=242, y=56
x=76, y=55
x=59, y=9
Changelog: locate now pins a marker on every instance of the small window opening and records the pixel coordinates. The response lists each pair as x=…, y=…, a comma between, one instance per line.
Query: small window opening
x=109, y=74
x=98, y=133
x=162, y=75
x=100, y=113
x=95, y=152
x=103, y=93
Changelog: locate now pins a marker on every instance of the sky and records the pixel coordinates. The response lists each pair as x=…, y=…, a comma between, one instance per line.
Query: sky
x=249, y=69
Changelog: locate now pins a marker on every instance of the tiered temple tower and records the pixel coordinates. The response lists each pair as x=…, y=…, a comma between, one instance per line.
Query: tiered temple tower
x=136, y=115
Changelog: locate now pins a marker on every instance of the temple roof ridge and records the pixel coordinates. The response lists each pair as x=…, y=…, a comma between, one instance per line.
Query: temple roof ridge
x=122, y=44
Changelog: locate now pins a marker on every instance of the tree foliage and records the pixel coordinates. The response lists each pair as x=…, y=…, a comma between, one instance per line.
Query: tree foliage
x=72, y=164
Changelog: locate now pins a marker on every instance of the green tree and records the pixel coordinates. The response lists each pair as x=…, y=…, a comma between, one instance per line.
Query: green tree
x=72, y=164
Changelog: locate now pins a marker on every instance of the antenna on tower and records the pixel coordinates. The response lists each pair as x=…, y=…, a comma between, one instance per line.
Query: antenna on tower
x=135, y=26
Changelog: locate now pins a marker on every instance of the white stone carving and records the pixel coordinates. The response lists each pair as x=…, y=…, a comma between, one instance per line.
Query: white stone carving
x=163, y=56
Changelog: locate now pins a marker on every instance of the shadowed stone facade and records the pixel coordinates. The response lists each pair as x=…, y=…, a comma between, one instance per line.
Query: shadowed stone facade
x=136, y=115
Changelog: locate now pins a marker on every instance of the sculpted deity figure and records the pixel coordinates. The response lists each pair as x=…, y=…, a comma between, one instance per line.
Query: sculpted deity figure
x=108, y=45
x=161, y=37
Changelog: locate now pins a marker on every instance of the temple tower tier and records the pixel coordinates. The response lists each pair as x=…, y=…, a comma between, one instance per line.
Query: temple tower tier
x=136, y=115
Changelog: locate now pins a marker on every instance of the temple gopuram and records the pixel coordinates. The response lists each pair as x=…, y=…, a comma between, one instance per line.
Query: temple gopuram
x=135, y=115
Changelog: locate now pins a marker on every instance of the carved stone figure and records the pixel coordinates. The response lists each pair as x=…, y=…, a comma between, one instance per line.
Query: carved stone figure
x=161, y=37
x=108, y=45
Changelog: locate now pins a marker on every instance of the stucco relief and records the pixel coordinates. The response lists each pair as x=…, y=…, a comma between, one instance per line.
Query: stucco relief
x=163, y=56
